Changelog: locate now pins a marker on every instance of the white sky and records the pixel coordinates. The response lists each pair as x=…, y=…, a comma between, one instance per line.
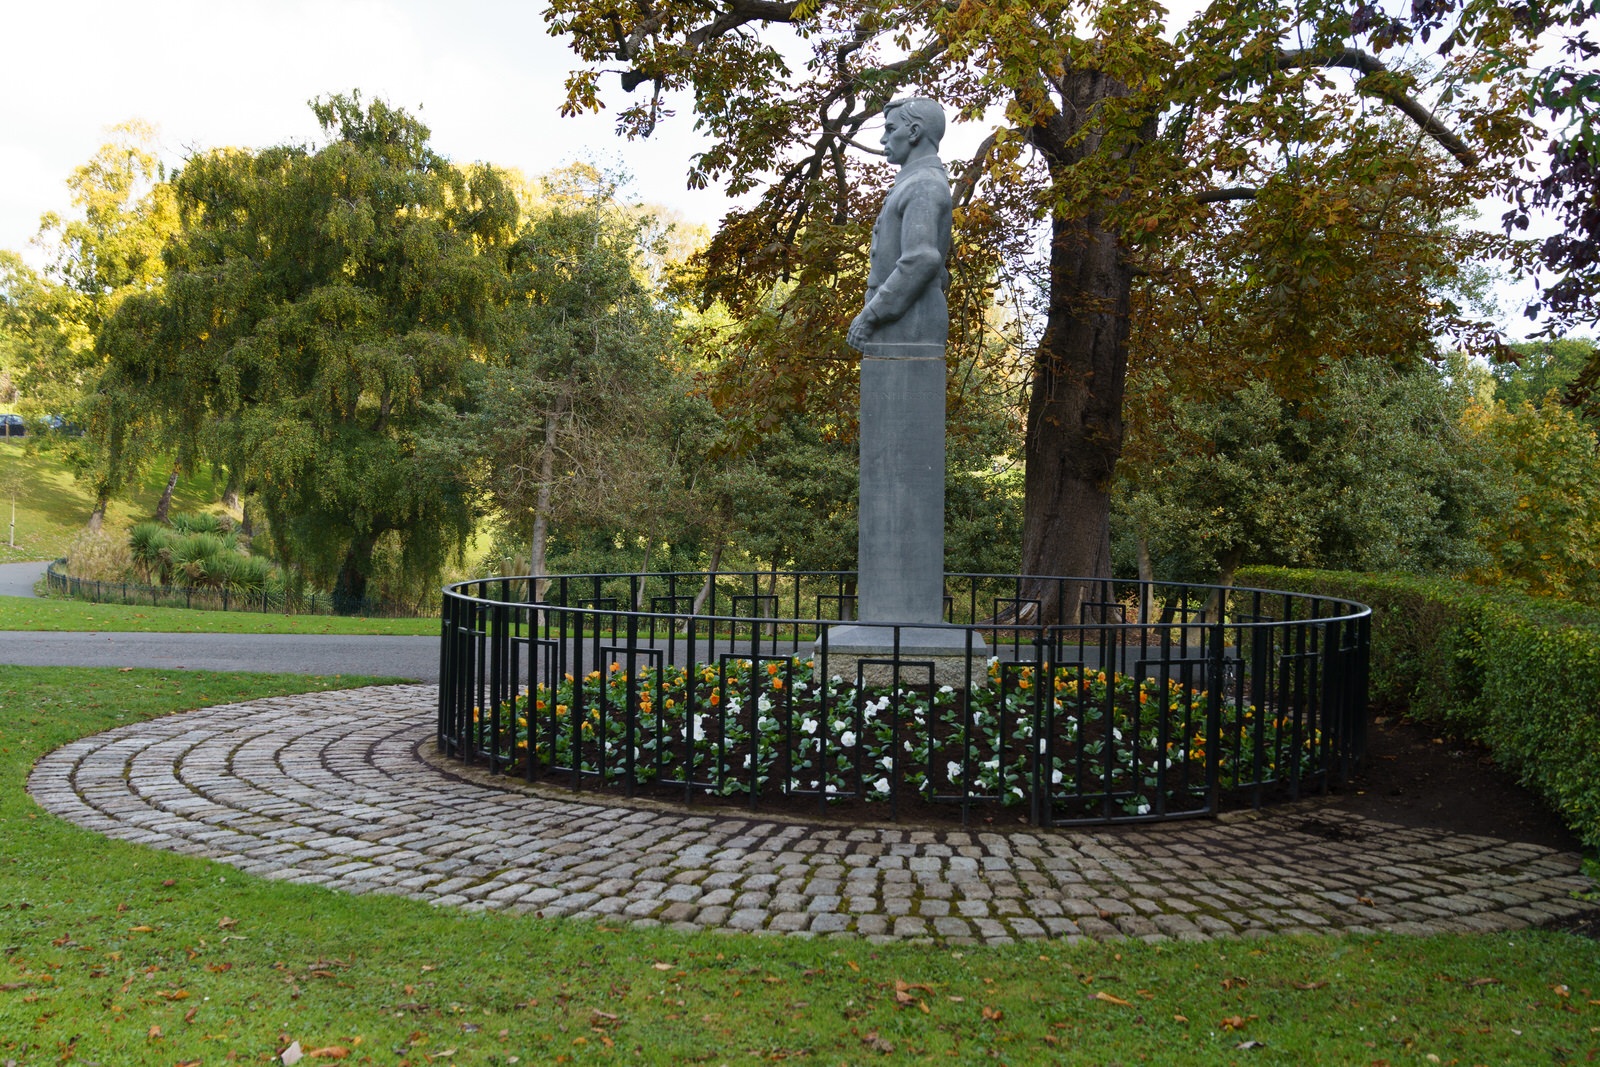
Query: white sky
x=482, y=74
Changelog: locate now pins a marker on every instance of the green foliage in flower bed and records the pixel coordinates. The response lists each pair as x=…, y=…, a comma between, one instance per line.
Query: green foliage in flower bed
x=1088, y=740
x=1519, y=673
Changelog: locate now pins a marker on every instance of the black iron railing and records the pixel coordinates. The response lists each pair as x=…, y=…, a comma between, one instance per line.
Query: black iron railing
x=1147, y=706
x=224, y=598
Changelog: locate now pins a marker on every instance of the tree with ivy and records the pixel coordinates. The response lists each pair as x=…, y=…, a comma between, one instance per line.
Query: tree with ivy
x=1110, y=134
x=317, y=302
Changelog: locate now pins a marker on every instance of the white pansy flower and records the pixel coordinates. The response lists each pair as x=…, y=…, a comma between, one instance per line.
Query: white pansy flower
x=847, y=739
x=882, y=785
x=887, y=763
x=953, y=770
x=1055, y=777
x=808, y=726
x=1017, y=789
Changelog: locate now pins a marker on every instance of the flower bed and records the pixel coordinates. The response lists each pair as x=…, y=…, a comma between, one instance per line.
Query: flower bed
x=1083, y=743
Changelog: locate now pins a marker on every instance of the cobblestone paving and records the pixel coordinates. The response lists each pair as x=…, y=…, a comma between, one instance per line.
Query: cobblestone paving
x=329, y=789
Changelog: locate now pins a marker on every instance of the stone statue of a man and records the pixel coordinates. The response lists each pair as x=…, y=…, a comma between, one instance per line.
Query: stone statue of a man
x=905, y=312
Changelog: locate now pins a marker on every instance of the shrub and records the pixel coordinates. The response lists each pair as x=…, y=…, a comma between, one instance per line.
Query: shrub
x=146, y=541
x=197, y=522
x=245, y=574
x=1519, y=673
x=199, y=559
x=97, y=555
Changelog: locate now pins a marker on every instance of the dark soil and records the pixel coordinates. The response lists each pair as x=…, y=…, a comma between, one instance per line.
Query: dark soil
x=1417, y=778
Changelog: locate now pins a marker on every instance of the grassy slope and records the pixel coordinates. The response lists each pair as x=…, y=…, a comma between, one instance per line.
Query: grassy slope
x=118, y=954
x=53, y=506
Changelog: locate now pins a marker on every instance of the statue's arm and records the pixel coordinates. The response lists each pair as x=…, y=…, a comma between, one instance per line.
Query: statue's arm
x=924, y=230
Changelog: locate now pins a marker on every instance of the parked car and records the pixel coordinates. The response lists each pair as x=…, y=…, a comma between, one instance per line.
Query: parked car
x=13, y=426
x=60, y=426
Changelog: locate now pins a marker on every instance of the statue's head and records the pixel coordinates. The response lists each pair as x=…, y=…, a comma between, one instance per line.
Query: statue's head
x=926, y=114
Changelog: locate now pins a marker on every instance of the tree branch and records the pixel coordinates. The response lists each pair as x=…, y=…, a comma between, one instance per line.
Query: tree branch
x=1366, y=64
x=1216, y=196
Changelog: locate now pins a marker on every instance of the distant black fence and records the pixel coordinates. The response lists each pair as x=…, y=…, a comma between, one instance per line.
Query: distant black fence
x=224, y=598
x=677, y=685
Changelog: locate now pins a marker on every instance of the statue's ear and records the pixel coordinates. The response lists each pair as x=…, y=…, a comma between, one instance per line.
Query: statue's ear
x=913, y=131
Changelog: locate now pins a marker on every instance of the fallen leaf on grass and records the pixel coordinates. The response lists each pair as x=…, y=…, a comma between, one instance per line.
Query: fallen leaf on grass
x=1309, y=985
x=153, y=1033
x=1231, y=983
x=173, y=994
x=876, y=1043
x=993, y=1015
x=1247, y=1045
x=226, y=923
x=598, y=1018
x=1110, y=998
x=329, y=1052
x=189, y=1015
x=903, y=997
x=1234, y=1022
x=291, y=1055
x=852, y=965
x=141, y=929
x=7, y=987
x=218, y=968
x=1180, y=1018
x=1482, y=981
x=662, y=966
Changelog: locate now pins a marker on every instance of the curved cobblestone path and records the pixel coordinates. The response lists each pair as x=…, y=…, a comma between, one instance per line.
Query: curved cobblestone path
x=330, y=789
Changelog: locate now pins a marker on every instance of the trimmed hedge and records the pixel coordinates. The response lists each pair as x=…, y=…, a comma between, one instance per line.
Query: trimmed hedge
x=1519, y=673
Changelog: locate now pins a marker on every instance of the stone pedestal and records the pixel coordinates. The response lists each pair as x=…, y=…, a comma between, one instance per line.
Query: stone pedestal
x=901, y=548
x=849, y=644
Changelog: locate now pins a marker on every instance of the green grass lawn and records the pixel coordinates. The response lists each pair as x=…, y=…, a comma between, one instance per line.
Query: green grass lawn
x=118, y=954
x=21, y=613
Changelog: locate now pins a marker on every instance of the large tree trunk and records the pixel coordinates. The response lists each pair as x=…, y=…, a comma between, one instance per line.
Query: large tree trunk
x=165, y=505
x=230, y=495
x=350, y=589
x=1074, y=433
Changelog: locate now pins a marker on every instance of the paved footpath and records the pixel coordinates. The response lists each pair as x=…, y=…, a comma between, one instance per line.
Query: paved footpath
x=332, y=789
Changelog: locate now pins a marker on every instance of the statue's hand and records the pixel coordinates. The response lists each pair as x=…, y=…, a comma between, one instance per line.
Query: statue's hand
x=860, y=330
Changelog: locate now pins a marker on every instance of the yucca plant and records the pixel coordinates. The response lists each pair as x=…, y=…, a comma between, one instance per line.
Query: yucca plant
x=145, y=542
x=198, y=559
x=245, y=574
x=196, y=522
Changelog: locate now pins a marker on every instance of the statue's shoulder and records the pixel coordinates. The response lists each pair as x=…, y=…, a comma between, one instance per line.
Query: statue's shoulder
x=930, y=182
